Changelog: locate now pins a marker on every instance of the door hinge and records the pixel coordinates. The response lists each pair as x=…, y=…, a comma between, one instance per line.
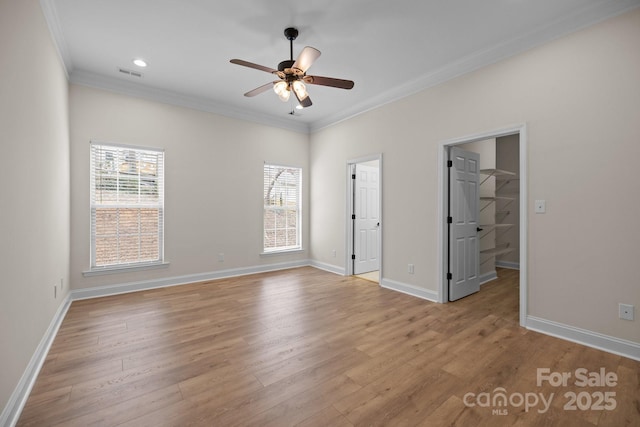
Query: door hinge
x=353, y=176
x=449, y=220
x=449, y=163
x=353, y=256
x=353, y=216
x=449, y=276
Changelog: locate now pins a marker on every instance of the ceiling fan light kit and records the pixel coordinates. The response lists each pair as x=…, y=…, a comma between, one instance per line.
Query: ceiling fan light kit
x=293, y=74
x=282, y=90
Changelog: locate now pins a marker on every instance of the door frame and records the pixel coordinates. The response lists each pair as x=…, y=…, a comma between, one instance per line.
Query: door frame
x=521, y=130
x=349, y=231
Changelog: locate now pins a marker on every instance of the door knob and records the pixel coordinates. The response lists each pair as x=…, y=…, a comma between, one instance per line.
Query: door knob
x=479, y=229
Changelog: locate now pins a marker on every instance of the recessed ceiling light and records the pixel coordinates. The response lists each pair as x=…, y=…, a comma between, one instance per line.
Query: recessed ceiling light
x=140, y=62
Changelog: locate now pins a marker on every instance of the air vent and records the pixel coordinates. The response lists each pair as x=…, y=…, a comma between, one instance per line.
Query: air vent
x=130, y=73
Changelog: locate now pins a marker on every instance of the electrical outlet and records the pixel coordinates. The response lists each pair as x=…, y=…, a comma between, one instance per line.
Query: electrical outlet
x=410, y=268
x=625, y=311
x=333, y=252
x=221, y=257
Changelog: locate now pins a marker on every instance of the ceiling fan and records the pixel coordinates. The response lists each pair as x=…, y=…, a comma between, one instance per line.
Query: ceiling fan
x=293, y=74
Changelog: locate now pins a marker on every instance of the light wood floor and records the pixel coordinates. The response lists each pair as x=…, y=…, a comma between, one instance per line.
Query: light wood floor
x=310, y=348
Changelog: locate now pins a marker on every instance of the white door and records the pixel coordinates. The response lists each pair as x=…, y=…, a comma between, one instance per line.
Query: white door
x=464, y=200
x=367, y=219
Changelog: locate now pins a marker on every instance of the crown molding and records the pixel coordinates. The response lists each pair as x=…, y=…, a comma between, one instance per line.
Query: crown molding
x=473, y=62
x=51, y=17
x=552, y=31
x=86, y=78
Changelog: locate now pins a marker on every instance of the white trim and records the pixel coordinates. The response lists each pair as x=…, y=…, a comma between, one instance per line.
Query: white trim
x=137, y=90
x=479, y=59
x=488, y=277
x=412, y=290
x=524, y=223
x=508, y=264
x=328, y=267
x=101, y=291
x=124, y=268
x=283, y=252
x=13, y=408
x=110, y=144
x=595, y=340
x=553, y=30
x=50, y=13
x=521, y=130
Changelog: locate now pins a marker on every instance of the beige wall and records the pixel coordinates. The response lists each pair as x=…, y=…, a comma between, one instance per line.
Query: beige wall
x=34, y=171
x=580, y=98
x=213, y=182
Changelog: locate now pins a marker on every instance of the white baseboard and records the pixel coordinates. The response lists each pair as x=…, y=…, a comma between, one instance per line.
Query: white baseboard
x=409, y=289
x=328, y=267
x=13, y=409
x=487, y=277
x=508, y=264
x=102, y=291
x=11, y=412
x=602, y=342
x=14, y=406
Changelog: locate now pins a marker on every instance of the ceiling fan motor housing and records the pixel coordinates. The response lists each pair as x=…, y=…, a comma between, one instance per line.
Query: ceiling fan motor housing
x=285, y=64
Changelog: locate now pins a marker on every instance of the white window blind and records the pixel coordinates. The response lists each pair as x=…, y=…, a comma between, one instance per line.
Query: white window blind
x=282, y=206
x=127, y=205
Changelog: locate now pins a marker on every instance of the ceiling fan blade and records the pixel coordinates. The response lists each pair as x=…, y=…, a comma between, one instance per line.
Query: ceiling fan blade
x=305, y=102
x=306, y=58
x=252, y=65
x=328, y=81
x=259, y=90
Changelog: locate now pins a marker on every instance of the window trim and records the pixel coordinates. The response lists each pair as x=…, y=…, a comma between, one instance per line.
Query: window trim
x=125, y=266
x=282, y=249
x=121, y=268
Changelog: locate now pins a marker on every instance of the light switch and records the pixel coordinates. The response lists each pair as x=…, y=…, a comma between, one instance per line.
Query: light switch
x=541, y=206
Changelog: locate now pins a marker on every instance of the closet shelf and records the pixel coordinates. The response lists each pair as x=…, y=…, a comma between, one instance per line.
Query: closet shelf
x=502, y=178
x=488, y=227
x=496, y=251
x=493, y=199
x=497, y=172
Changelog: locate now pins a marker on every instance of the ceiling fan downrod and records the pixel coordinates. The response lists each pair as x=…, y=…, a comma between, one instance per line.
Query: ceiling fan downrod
x=291, y=34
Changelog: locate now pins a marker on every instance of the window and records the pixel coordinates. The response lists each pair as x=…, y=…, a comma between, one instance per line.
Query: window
x=282, y=201
x=127, y=205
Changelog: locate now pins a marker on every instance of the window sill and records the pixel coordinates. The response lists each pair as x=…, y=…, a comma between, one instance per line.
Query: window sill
x=283, y=252
x=124, y=269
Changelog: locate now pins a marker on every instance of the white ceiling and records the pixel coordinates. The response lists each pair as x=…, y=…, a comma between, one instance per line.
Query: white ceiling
x=389, y=48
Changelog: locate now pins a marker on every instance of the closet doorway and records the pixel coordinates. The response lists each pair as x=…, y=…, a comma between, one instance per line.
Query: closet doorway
x=499, y=200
